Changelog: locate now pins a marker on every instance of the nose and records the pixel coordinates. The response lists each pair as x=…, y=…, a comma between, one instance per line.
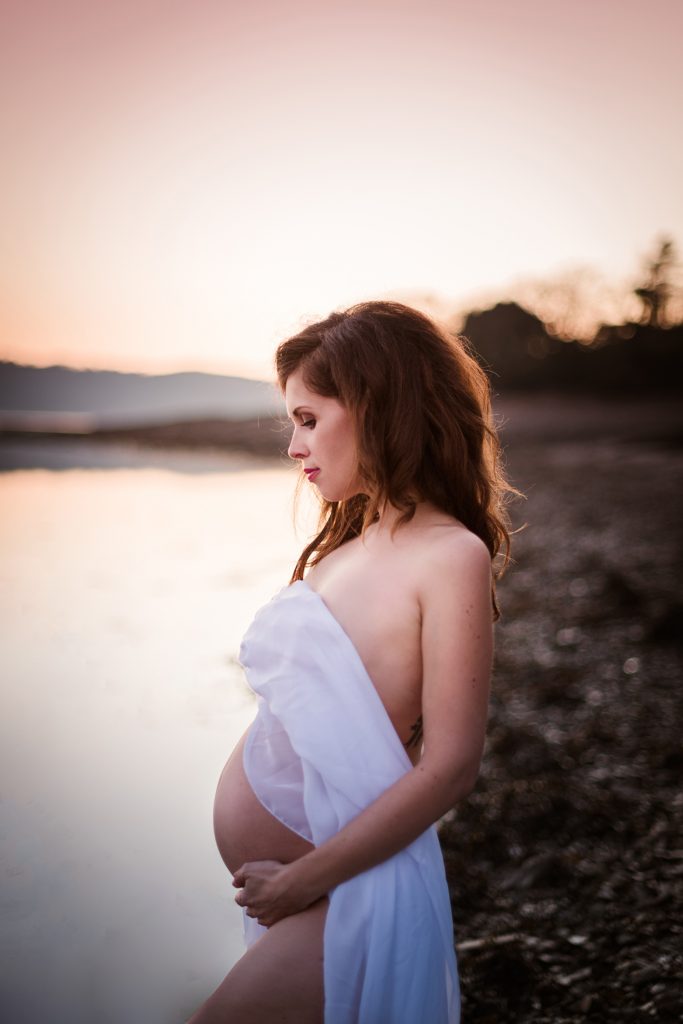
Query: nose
x=297, y=448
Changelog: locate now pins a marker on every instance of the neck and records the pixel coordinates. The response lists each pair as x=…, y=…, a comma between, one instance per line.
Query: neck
x=389, y=515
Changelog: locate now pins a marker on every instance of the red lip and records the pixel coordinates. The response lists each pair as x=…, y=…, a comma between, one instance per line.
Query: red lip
x=312, y=473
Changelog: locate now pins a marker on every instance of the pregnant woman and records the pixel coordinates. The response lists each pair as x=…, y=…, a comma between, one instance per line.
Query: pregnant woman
x=371, y=669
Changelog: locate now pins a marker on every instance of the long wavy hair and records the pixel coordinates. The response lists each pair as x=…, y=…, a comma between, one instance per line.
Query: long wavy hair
x=421, y=409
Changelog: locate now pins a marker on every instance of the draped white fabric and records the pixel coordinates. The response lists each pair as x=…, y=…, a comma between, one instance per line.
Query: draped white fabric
x=321, y=749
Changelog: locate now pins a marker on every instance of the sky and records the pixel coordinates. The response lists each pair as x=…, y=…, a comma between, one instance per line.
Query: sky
x=183, y=184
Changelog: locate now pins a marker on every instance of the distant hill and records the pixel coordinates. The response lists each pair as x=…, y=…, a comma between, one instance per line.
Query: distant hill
x=515, y=347
x=60, y=398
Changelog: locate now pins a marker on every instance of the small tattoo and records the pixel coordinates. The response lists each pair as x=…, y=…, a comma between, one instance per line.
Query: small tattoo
x=415, y=734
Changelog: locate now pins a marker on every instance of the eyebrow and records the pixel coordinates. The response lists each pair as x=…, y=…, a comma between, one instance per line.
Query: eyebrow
x=298, y=411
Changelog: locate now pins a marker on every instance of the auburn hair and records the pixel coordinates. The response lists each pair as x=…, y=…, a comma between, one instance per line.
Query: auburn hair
x=421, y=409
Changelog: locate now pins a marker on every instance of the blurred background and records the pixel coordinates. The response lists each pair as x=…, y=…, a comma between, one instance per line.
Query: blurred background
x=183, y=185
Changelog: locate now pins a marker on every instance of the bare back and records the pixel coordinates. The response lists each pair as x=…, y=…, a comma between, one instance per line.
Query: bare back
x=372, y=587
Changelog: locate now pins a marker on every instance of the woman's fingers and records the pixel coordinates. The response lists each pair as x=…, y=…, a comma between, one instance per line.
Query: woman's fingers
x=255, y=894
x=242, y=897
x=240, y=876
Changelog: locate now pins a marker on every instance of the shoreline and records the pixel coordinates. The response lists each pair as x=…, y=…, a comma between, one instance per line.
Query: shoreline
x=224, y=445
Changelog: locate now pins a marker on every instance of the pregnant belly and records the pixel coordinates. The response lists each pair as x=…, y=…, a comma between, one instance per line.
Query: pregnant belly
x=244, y=829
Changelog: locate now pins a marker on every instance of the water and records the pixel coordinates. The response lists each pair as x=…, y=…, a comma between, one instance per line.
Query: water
x=124, y=594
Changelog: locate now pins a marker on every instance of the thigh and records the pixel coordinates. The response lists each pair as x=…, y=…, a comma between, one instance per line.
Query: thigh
x=279, y=978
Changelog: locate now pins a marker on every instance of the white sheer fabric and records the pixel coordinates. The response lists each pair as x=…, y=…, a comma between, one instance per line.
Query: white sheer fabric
x=321, y=749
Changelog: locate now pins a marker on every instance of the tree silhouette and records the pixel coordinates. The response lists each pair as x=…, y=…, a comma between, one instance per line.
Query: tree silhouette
x=658, y=287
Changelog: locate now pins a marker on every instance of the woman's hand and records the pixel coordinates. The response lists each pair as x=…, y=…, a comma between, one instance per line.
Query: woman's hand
x=270, y=891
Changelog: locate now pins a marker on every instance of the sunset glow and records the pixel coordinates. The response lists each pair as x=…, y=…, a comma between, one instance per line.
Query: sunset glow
x=185, y=183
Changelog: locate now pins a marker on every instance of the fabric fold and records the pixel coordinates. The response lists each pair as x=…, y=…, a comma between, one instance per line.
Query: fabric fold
x=321, y=749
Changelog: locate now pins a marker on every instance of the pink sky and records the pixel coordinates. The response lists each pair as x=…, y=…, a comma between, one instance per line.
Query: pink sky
x=184, y=183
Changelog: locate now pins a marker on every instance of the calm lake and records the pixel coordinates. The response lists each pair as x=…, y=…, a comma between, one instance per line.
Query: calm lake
x=125, y=592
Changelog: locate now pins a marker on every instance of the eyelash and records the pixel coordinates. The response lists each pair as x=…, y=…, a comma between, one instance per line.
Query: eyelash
x=307, y=423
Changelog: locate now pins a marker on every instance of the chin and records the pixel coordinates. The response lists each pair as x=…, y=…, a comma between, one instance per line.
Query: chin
x=342, y=495
x=330, y=495
x=338, y=492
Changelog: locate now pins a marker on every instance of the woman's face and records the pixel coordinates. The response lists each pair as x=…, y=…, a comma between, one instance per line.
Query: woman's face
x=323, y=439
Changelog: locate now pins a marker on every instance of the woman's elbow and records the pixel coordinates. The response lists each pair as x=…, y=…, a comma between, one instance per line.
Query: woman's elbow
x=465, y=780
x=468, y=781
x=458, y=780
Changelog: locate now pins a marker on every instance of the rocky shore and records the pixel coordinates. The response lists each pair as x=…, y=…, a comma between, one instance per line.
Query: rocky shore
x=566, y=863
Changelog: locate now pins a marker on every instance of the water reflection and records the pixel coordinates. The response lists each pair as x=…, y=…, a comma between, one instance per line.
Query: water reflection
x=124, y=597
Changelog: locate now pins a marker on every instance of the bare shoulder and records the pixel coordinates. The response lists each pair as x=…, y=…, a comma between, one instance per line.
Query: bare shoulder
x=446, y=544
x=457, y=544
x=451, y=560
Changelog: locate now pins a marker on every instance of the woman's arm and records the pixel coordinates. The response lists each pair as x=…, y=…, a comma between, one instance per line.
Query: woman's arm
x=457, y=644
